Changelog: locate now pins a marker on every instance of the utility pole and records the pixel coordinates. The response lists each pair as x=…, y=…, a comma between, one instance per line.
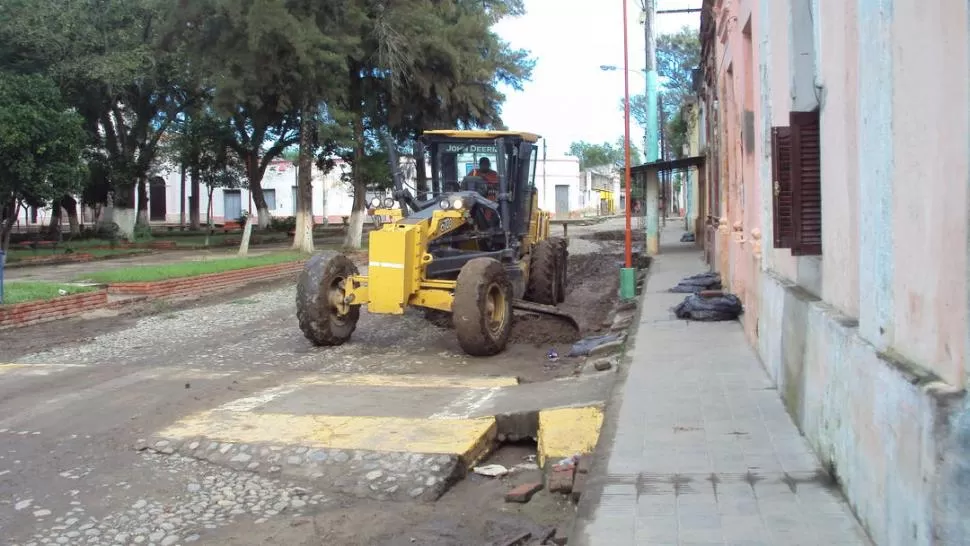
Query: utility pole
x=651, y=150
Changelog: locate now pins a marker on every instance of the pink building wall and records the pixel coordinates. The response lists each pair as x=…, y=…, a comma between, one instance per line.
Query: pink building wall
x=868, y=342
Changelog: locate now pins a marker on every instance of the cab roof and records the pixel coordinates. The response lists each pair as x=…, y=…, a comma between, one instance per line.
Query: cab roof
x=448, y=133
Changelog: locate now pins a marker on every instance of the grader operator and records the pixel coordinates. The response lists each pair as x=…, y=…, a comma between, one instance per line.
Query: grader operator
x=459, y=251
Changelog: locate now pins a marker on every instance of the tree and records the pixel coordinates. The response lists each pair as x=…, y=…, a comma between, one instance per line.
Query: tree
x=119, y=64
x=263, y=60
x=41, y=142
x=604, y=155
x=456, y=77
x=678, y=54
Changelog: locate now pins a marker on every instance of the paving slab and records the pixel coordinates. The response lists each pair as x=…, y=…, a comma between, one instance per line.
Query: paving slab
x=697, y=447
x=388, y=437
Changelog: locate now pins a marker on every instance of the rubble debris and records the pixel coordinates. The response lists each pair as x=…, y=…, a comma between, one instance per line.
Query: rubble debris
x=552, y=355
x=561, y=479
x=698, y=282
x=603, y=364
x=523, y=493
x=491, y=470
x=687, y=237
x=584, y=464
x=586, y=346
x=718, y=308
x=516, y=540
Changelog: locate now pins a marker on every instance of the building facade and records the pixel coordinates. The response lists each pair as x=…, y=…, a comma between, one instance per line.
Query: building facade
x=837, y=139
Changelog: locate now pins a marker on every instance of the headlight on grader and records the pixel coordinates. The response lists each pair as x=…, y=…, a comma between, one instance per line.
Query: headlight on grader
x=457, y=204
x=388, y=202
x=444, y=204
x=375, y=203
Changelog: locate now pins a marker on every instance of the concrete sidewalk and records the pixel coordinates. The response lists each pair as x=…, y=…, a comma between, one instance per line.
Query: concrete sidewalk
x=697, y=447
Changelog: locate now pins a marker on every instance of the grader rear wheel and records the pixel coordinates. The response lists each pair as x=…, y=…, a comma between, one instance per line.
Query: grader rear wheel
x=563, y=266
x=325, y=316
x=482, y=308
x=543, y=286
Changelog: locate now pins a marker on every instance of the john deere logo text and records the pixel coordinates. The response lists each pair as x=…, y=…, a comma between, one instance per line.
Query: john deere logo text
x=471, y=149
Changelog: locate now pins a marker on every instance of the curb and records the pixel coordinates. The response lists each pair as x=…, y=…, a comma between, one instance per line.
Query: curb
x=24, y=314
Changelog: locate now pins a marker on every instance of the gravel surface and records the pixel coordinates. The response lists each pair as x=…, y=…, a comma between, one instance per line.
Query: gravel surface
x=69, y=475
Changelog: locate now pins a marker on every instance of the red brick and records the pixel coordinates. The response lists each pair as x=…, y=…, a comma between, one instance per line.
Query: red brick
x=560, y=480
x=523, y=493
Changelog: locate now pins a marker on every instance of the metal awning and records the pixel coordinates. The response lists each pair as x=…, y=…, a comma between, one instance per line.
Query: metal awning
x=672, y=165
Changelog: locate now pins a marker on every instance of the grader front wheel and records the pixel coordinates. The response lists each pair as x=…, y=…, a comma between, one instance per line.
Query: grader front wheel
x=544, y=281
x=321, y=307
x=482, y=308
x=561, y=270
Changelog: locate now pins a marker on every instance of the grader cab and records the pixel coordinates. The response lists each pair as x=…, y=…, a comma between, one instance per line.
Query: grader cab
x=477, y=247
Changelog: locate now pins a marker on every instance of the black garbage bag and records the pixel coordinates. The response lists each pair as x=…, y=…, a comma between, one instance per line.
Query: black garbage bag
x=696, y=283
x=716, y=308
x=585, y=346
x=687, y=237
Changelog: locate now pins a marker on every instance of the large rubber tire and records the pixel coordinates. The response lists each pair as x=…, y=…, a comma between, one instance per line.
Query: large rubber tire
x=543, y=286
x=321, y=321
x=563, y=266
x=482, y=308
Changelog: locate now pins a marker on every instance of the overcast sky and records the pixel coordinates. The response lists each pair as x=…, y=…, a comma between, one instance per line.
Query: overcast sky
x=570, y=98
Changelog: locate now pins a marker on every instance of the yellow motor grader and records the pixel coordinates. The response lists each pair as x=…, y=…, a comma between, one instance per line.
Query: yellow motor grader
x=477, y=247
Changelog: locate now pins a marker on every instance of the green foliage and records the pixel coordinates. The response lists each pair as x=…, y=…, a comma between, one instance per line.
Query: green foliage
x=678, y=54
x=41, y=141
x=287, y=223
x=604, y=155
x=119, y=64
x=203, y=143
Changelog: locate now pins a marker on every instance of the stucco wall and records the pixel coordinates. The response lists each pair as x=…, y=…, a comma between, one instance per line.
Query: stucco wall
x=867, y=343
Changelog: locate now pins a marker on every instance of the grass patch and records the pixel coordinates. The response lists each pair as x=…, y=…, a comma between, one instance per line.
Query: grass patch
x=180, y=270
x=24, y=291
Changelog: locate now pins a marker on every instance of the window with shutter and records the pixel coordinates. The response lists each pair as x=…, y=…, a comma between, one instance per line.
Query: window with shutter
x=806, y=183
x=784, y=227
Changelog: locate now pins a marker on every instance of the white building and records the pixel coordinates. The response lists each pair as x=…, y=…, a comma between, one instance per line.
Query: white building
x=563, y=190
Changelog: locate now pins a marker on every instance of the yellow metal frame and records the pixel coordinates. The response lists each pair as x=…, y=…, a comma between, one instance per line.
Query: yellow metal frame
x=398, y=259
x=396, y=269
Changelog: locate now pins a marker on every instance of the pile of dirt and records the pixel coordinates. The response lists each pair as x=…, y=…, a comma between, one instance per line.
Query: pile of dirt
x=614, y=235
x=541, y=330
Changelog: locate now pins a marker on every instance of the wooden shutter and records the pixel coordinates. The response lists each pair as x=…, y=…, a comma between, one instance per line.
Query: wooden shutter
x=806, y=183
x=783, y=221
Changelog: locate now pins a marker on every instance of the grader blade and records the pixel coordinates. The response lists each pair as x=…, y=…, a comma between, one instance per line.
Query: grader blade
x=550, y=310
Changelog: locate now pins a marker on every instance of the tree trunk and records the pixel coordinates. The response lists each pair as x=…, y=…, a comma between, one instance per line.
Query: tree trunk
x=142, y=202
x=54, y=227
x=122, y=212
x=208, y=218
x=420, y=173
x=182, y=197
x=303, y=237
x=8, y=216
x=195, y=210
x=69, y=204
x=256, y=189
x=355, y=230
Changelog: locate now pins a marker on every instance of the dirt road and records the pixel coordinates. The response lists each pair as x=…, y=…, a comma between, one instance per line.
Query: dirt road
x=75, y=396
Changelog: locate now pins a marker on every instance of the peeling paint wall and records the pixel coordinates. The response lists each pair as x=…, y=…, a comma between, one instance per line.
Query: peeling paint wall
x=868, y=343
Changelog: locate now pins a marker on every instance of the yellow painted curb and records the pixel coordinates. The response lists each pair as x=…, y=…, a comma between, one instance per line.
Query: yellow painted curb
x=565, y=432
x=470, y=439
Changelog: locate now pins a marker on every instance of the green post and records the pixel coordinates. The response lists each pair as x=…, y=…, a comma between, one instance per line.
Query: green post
x=628, y=283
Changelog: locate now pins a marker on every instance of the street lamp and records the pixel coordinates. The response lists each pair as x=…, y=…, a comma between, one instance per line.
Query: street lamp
x=628, y=273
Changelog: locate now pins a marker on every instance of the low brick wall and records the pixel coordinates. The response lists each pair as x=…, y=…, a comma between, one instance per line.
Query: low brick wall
x=53, y=259
x=205, y=284
x=33, y=312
